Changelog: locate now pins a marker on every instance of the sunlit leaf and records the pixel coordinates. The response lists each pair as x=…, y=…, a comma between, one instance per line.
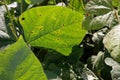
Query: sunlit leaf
x=53, y=27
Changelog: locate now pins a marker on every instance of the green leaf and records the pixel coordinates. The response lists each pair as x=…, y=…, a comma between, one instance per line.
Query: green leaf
x=76, y=54
x=112, y=42
x=17, y=62
x=116, y=3
x=98, y=22
x=53, y=27
x=99, y=7
x=51, y=75
x=9, y=1
x=34, y=1
x=77, y=5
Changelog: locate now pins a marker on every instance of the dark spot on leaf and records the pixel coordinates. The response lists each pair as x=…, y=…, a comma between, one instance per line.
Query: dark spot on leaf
x=65, y=45
x=23, y=18
x=40, y=29
x=58, y=39
x=32, y=32
x=40, y=15
x=63, y=25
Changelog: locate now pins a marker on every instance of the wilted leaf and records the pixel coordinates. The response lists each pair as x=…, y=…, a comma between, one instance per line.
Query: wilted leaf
x=112, y=42
x=17, y=62
x=115, y=72
x=111, y=62
x=99, y=7
x=87, y=74
x=53, y=27
x=98, y=22
x=98, y=62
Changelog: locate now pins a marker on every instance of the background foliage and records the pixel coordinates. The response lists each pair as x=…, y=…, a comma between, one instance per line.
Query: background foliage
x=59, y=40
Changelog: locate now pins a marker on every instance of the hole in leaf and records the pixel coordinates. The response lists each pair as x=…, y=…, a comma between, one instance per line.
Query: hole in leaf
x=40, y=28
x=23, y=18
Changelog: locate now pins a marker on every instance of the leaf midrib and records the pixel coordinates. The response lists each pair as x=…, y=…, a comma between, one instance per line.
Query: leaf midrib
x=54, y=30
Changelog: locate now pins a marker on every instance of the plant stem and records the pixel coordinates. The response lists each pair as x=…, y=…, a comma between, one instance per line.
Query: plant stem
x=12, y=27
x=117, y=16
x=82, y=5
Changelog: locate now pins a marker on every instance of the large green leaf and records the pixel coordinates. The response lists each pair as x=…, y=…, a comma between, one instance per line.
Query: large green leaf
x=53, y=27
x=99, y=7
x=98, y=22
x=17, y=62
x=112, y=42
